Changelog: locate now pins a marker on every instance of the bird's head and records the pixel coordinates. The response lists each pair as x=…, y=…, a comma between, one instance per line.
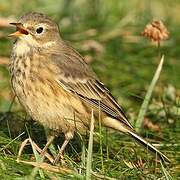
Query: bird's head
x=36, y=29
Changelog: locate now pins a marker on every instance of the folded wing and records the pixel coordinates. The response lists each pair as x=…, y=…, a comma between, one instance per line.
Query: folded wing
x=75, y=76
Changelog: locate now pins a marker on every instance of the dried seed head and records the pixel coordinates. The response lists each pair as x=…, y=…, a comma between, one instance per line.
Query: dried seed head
x=156, y=31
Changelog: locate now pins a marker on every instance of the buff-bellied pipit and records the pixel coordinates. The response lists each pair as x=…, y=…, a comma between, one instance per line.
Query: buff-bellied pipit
x=57, y=88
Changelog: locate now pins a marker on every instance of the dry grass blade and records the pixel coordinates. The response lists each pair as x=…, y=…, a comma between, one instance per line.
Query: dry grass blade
x=4, y=22
x=49, y=167
x=4, y=60
x=39, y=150
x=12, y=141
x=62, y=170
x=98, y=176
x=23, y=144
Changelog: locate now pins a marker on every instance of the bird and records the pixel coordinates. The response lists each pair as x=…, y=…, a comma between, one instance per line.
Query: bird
x=57, y=88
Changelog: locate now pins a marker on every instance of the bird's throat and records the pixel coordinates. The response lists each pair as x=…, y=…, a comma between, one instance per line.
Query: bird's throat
x=21, y=48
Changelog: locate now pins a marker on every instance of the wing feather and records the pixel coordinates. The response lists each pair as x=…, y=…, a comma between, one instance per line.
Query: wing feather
x=75, y=75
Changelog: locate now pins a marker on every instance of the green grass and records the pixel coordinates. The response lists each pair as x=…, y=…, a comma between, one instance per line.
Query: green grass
x=126, y=63
x=144, y=106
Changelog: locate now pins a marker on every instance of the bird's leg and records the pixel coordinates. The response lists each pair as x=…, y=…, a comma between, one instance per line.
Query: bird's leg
x=46, y=154
x=60, y=156
x=52, y=149
x=50, y=139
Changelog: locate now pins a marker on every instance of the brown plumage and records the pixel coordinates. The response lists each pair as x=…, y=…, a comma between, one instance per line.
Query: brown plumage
x=57, y=88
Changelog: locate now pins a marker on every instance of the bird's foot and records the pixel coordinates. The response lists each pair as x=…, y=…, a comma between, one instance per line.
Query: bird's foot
x=59, y=158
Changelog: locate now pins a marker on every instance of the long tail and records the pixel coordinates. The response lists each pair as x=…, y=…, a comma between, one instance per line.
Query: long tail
x=118, y=125
x=148, y=146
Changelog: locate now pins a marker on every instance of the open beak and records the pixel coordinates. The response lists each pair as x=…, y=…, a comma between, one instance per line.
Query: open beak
x=21, y=30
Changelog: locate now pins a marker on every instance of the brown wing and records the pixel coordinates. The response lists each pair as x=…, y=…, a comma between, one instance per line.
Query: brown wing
x=77, y=77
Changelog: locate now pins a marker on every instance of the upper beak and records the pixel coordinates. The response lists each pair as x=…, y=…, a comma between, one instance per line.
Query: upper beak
x=21, y=30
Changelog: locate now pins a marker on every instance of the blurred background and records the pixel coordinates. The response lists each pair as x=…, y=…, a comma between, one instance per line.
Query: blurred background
x=108, y=34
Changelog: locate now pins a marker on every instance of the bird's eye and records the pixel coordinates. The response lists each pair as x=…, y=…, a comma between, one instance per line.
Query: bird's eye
x=39, y=30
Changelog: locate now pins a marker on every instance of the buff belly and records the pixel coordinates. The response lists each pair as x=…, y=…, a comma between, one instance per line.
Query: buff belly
x=50, y=105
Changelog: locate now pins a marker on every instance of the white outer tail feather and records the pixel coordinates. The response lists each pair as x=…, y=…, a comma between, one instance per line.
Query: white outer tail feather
x=149, y=147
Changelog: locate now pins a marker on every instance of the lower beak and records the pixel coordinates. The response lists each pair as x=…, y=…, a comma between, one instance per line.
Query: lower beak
x=20, y=30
